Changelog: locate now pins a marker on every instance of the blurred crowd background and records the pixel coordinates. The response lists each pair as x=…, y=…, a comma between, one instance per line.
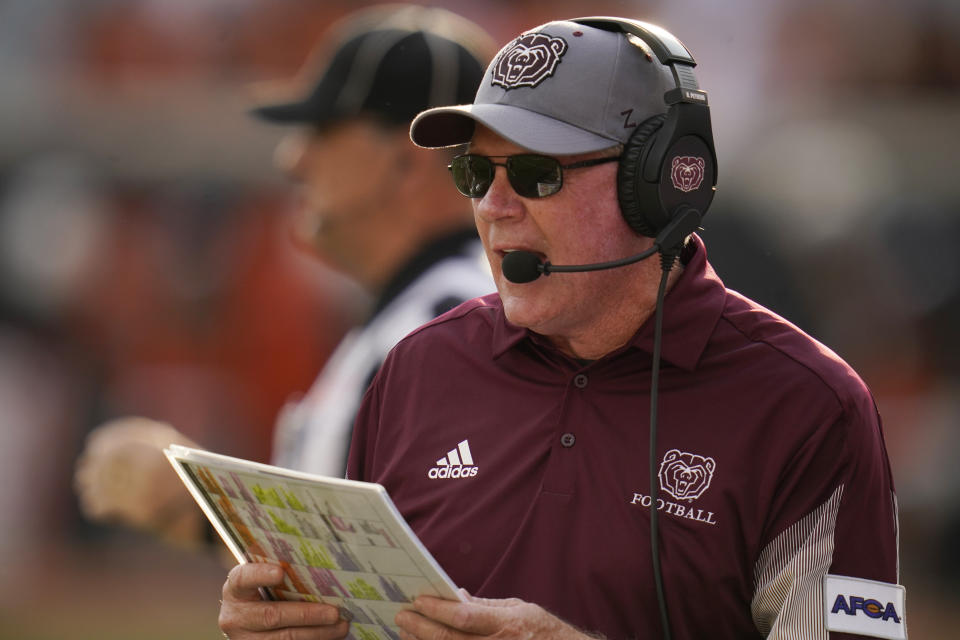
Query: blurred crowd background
x=147, y=264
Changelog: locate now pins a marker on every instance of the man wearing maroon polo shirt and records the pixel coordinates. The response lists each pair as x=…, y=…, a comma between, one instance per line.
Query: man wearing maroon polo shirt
x=514, y=431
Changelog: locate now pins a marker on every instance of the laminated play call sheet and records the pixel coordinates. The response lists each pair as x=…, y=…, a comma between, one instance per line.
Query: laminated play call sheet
x=339, y=541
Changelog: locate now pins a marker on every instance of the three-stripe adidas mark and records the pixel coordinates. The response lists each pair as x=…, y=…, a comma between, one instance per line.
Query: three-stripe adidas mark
x=458, y=463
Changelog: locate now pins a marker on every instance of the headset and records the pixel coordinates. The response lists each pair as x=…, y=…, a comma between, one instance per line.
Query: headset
x=669, y=163
x=665, y=182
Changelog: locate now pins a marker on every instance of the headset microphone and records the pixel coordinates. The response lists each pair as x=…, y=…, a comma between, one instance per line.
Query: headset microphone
x=520, y=267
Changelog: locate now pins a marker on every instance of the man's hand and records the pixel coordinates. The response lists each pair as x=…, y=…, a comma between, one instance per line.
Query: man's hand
x=122, y=476
x=436, y=619
x=245, y=615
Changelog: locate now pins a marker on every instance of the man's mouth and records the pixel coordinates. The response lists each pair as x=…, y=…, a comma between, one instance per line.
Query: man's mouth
x=541, y=256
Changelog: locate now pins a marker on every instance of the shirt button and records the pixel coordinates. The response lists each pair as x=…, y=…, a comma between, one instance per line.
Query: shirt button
x=567, y=440
x=580, y=381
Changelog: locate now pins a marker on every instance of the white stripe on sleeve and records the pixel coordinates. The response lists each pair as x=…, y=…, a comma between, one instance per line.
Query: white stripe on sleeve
x=788, y=577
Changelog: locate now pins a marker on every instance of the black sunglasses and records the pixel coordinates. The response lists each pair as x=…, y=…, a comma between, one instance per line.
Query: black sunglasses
x=530, y=175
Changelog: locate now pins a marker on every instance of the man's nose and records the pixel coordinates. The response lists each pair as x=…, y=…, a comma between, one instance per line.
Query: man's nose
x=500, y=201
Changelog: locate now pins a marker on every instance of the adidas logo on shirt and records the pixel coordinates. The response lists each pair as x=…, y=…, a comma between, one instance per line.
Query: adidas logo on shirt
x=458, y=463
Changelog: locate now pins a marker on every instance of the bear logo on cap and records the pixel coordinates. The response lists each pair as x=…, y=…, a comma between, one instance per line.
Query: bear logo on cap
x=528, y=60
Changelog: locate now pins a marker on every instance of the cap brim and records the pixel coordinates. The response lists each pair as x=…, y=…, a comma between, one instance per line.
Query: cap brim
x=301, y=112
x=450, y=126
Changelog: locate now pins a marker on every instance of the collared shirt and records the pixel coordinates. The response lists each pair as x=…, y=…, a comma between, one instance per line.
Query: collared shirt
x=526, y=473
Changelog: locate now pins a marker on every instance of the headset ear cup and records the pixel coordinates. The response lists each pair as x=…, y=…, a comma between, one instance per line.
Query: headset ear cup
x=633, y=205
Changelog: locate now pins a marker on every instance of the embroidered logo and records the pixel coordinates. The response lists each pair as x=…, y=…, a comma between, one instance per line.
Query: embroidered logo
x=458, y=463
x=686, y=172
x=685, y=476
x=528, y=60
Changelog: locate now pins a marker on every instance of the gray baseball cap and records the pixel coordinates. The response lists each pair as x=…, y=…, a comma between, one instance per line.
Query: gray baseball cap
x=562, y=88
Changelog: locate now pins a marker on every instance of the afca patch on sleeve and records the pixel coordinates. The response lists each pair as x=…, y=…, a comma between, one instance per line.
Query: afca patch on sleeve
x=865, y=607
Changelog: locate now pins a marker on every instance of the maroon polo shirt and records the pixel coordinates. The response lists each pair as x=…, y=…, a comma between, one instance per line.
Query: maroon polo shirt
x=526, y=472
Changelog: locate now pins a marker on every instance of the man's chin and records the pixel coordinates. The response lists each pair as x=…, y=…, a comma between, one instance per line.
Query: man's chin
x=520, y=310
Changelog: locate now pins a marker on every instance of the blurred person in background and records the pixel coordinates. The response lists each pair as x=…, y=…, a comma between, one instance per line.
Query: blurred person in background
x=375, y=208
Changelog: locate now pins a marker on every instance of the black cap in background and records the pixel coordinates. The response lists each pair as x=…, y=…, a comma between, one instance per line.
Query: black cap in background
x=390, y=62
